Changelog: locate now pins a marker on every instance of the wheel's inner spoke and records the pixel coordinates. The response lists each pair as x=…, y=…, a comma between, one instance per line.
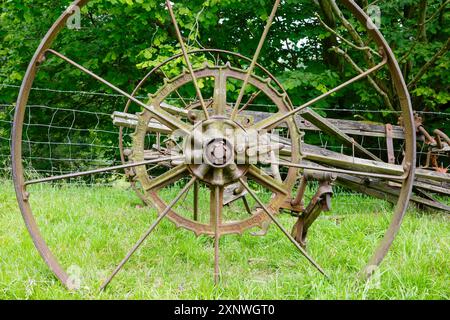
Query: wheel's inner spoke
x=186, y=58
x=280, y=226
x=260, y=176
x=279, y=117
x=158, y=113
x=176, y=91
x=195, y=200
x=149, y=231
x=250, y=101
x=255, y=59
x=219, y=101
x=168, y=177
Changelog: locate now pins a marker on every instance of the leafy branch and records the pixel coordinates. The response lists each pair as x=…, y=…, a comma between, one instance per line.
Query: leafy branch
x=430, y=64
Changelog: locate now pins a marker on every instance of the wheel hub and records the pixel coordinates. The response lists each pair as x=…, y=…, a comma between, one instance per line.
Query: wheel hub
x=219, y=153
x=211, y=153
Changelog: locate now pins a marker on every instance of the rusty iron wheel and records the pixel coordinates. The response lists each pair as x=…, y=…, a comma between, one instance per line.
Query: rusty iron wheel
x=219, y=151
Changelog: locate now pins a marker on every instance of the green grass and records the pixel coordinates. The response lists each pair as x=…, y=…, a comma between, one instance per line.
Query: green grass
x=91, y=229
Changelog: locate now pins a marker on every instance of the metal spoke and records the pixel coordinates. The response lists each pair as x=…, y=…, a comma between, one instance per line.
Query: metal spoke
x=246, y=205
x=166, y=178
x=196, y=191
x=216, y=205
x=333, y=170
x=91, y=172
x=220, y=94
x=279, y=117
x=176, y=91
x=147, y=233
x=160, y=114
x=255, y=59
x=286, y=233
x=264, y=179
x=250, y=101
x=186, y=58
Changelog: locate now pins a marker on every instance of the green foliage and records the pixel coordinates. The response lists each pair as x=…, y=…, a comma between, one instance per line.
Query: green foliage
x=403, y=29
x=120, y=37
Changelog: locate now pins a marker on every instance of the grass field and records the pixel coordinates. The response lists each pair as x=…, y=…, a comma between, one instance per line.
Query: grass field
x=91, y=229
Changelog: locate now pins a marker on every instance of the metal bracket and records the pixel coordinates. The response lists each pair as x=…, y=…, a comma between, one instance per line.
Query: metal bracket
x=319, y=203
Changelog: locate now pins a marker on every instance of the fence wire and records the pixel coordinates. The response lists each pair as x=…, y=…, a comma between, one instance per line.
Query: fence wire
x=58, y=140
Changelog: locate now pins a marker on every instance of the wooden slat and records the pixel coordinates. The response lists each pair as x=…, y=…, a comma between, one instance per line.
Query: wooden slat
x=350, y=127
x=337, y=160
x=329, y=128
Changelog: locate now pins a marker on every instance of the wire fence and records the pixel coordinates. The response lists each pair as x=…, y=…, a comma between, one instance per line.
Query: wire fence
x=59, y=140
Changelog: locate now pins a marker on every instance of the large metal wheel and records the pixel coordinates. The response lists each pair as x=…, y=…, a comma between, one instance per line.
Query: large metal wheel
x=213, y=150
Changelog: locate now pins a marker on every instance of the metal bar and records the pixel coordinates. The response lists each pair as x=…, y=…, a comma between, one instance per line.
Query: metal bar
x=186, y=58
x=286, y=233
x=246, y=205
x=356, y=173
x=432, y=175
x=270, y=122
x=216, y=203
x=176, y=90
x=86, y=173
x=332, y=159
x=384, y=191
x=255, y=59
x=264, y=179
x=159, y=114
x=431, y=187
x=428, y=137
x=166, y=178
x=147, y=233
x=196, y=190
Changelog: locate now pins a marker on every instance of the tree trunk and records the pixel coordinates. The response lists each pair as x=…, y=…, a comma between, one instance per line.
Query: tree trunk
x=422, y=32
x=329, y=57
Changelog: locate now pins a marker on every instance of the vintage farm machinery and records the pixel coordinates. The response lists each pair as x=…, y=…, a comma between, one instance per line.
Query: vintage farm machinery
x=207, y=143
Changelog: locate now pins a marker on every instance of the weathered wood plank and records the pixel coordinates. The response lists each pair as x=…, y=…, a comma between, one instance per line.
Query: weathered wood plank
x=337, y=160
x=432, y=175
x=329, y=128
x=382, y=190
x=349, y=127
